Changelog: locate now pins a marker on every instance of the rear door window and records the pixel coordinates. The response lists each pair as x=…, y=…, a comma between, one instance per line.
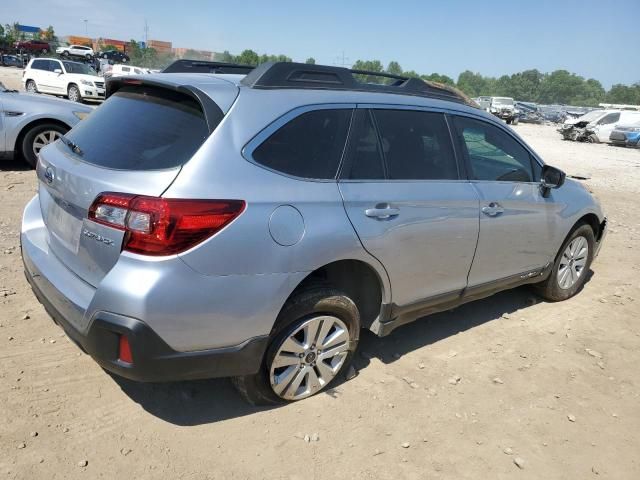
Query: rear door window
x=141, y=129
x=416, y=145
x=40, y=65
x=309, y=146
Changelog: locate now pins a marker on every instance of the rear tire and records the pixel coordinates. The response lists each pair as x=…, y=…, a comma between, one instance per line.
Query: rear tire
x=571, y=266
x=38, y=137
x=309, y=374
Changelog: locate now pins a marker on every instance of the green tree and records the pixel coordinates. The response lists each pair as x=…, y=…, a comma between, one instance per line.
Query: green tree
x=394, y=68
x=310, y=61
x=248, y=57
x=436, y=77
x=474, y=84
x=370, y=66
x=625, y=94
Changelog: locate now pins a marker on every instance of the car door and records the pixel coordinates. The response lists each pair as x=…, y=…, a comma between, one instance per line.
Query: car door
x=517, y=223
x=58, y=79
x=404, y=195
x=605, y=125
x=42, y=75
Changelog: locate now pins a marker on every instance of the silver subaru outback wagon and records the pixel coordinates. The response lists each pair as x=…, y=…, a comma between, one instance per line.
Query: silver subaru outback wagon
x=249, y=226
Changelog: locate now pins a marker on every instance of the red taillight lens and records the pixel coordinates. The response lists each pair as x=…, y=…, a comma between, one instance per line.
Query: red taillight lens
x=124, y=350
x=163, y=226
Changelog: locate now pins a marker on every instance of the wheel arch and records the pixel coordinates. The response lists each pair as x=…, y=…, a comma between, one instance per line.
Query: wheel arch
x=358, y=279
x=17, y=147
x=593, y=221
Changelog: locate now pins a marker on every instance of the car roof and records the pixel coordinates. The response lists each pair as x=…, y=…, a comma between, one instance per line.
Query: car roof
x=207, y=82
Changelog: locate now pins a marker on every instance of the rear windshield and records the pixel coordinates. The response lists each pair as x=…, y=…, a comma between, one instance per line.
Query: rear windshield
x=141, y=129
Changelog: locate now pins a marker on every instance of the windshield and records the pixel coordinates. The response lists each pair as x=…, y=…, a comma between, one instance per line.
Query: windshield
x=589, y=117
x=503, y=101
x=81, y=68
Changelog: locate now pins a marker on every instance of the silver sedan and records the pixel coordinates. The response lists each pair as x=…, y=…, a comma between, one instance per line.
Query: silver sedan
x=29, y=122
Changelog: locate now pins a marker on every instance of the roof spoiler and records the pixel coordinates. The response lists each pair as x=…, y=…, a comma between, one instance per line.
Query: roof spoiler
x=201, y=66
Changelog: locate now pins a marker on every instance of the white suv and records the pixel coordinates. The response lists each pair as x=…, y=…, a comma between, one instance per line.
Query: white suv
x=76, y=51
x=74, y=80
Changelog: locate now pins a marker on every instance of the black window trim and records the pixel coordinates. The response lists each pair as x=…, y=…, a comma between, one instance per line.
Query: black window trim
x=460, y=164
x=265, y=133
x=467, y=162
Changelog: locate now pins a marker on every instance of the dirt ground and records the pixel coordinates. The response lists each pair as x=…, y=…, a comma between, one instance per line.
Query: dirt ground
x=459, y=395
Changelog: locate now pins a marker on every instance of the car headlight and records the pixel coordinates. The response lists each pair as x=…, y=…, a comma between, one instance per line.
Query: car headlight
x=86, y=82
x=81, y=115
x=633, y=129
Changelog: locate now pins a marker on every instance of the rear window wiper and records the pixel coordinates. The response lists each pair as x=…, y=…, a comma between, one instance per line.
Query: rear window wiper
x=72, y=146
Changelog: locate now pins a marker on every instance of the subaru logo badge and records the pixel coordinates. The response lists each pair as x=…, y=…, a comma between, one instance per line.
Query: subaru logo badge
x=48, y=175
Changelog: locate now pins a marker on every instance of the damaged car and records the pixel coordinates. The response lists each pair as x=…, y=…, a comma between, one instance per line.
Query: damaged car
x=597, y=125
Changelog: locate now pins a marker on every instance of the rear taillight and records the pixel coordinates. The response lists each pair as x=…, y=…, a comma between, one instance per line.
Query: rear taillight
x=163, y=226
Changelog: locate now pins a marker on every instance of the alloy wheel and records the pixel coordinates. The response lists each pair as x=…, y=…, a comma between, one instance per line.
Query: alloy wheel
x=309, y=358
x=43, y=139
x=572, y=263
x=31, y=87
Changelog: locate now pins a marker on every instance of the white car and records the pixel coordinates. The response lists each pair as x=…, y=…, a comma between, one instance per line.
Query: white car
x=76, y=51
x=113, y=71
x=73, y=80
x=597, y=125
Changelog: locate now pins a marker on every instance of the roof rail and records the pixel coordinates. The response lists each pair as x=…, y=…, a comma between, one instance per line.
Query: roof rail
x=277, y=75
x=202, y=66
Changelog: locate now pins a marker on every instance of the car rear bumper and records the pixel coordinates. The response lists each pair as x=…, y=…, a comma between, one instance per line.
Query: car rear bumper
x=72, y=304
x=153, y=359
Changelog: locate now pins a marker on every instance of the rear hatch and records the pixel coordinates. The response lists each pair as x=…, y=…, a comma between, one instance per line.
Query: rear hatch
x=135, y=143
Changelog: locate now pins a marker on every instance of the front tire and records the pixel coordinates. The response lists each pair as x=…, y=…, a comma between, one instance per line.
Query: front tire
x=73, y=93
x=31, y=87
x=312, y=343
x=39, y=137
x=571, y=266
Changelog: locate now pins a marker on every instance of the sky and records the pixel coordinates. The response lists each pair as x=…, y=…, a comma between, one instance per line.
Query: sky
x=594, y=39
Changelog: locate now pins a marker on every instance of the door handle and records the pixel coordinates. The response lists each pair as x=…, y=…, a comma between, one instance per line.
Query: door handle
x=382, y=212
x=492, y=209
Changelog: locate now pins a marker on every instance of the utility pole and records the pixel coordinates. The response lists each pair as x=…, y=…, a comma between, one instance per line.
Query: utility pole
x=86, y=27
x=146, y=33
x=341, y=60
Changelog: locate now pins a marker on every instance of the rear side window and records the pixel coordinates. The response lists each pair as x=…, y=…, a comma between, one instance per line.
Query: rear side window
x=141, y=129
x=309, y=146
x=416, y=145
x=40, y=65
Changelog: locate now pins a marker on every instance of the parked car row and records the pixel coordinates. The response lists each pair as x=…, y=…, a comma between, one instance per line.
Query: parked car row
x=619, y=127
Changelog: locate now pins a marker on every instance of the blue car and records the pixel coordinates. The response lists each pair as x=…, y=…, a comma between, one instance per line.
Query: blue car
x=626, y=135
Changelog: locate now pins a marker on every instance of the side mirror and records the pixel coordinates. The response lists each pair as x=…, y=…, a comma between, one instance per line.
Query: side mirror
x=58, y=71
x=552, y=177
